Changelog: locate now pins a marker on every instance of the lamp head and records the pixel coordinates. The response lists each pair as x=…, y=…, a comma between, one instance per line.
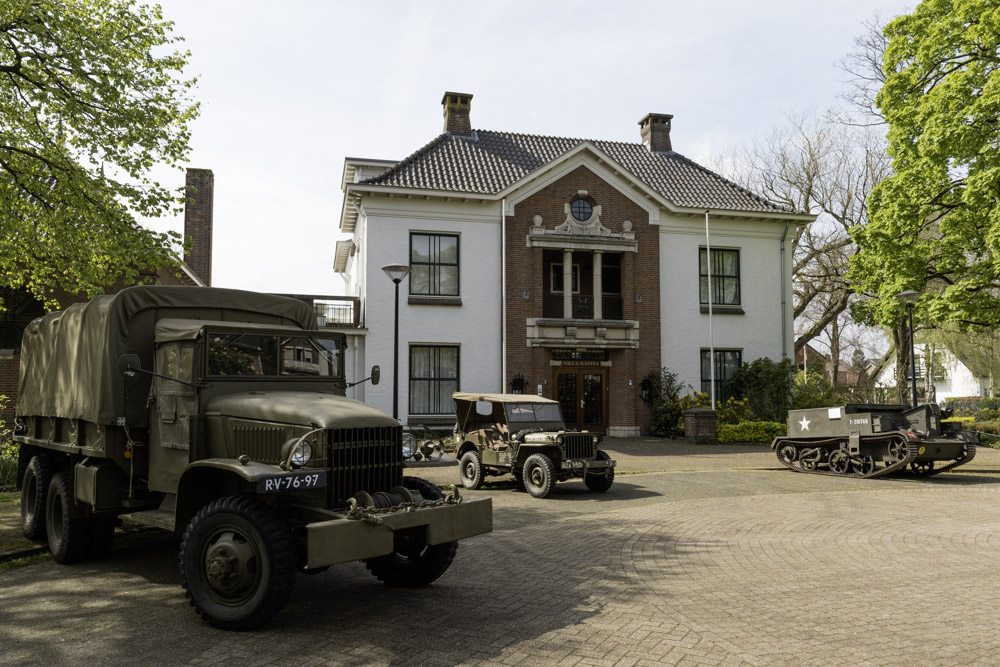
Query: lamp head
x=396, y=272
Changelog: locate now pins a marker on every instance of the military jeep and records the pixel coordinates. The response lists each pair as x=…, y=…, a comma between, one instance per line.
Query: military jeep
x=525, y=435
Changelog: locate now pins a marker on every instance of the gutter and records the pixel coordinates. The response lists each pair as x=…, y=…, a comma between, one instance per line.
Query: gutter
x=781, y=286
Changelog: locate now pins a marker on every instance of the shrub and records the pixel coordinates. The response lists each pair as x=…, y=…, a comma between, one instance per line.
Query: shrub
x=768, y=385
x=758, y=432
x=992, y=427
x=666, y=416
x=985, y=415
x=734, y=411
x=8, y=452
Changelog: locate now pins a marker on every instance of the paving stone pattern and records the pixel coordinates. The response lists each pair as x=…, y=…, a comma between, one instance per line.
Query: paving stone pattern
x=764, y=567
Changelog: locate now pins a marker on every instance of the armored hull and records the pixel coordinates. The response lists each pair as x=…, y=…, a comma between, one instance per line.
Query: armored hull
x=868, y=440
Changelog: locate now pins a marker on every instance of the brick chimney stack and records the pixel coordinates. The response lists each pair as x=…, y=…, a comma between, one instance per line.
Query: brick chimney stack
x=655, y=128
x=456, y=114
x=200, y=184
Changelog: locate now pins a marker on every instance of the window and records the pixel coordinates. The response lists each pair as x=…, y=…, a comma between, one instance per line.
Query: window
x=273, y=355
x=582, y=210
x=725, y=277
x=726, y=363
x=433, y=379
x=556, y=279
x=434, y=264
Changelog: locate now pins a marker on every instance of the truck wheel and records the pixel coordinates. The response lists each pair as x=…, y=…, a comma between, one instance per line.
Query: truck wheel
x=470, y=469
x=237, y=563
x=69, y=535
x=34, y=491
x=413, y=562
x=601, y=482
x=539, y=475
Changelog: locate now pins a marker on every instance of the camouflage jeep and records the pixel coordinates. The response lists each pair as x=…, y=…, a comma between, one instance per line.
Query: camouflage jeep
x=525, y=435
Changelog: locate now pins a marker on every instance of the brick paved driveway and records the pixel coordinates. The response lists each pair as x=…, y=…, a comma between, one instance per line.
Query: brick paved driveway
x=707, y=563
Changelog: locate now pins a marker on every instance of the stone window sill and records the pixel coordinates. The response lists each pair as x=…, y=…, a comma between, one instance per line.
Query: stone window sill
x=724, y=310
x=415, y=300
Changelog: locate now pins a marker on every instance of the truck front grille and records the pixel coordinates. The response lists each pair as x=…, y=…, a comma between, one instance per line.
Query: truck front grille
x=363, y=459
x=579, y=446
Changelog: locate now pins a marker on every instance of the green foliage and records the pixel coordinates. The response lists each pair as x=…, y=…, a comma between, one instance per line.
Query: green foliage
x=813, y=390
x=768, y=385
x=734, y=411
x=935, y=223
x=752, y=431
x=970, y=406
x=8, y=451
x=668, y=384
x=91, y=98
x=669, y=407
x=666, y=416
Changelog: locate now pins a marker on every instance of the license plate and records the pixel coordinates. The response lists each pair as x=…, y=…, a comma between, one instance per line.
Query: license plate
x=301, y=481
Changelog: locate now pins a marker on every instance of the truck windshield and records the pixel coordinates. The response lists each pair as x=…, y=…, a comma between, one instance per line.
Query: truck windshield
x=271, y=355
x=533, y=412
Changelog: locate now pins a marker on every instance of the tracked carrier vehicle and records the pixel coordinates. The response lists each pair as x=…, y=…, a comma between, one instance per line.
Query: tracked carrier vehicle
x=868, y=440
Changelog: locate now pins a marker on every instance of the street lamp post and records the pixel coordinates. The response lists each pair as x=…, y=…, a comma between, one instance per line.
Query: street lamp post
x=396, y=273
x=908, y=297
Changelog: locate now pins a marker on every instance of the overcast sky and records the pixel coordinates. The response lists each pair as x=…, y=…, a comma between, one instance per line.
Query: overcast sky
x=288, y=90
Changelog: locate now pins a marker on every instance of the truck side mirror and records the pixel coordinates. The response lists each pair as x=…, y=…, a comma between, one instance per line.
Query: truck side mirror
x=376, y=374
x=128, y=364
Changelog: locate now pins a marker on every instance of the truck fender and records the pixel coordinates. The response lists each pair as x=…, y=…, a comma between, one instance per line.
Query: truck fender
x=208, y=479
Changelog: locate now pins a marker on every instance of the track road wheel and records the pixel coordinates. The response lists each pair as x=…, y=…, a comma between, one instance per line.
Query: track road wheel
x=924, y=468
x=864, y=464
x=897, y=451
x=539, y=475
x=34, y=491
x=839, y=462
x=470, y=469
x=67, y=530
x=601, y=482
x=237, y=563
x=413, y=562
x=788, y=454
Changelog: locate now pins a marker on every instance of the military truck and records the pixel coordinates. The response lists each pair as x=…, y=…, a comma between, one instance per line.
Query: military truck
x=871, y=440
x=525, y=435
x=220, y=414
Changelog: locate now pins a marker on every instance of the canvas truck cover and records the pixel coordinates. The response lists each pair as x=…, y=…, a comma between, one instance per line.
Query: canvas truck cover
x=69, y=359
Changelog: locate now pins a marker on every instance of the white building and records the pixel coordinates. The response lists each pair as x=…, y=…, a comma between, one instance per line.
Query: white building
x=496, y=225
x=950, y=378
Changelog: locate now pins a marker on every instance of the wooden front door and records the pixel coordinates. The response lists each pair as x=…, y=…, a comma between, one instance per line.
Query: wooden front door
x=582, y=394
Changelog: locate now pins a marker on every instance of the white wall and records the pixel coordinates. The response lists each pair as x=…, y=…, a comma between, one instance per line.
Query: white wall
x=383, y=233
x=757, y=332
x=958, y=381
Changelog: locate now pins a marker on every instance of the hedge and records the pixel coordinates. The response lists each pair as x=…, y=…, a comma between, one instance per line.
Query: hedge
x=760, y=432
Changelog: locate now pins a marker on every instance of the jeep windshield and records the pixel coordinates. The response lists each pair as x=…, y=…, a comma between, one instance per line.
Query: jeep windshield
x=243, y=354
x=520, y=413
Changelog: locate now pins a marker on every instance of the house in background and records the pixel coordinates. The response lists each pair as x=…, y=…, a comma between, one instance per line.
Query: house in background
x=568, y=268
x=949, y=377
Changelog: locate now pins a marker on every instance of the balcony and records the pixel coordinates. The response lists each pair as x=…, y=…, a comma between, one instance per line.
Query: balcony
x=338, y=312
x=612, y=307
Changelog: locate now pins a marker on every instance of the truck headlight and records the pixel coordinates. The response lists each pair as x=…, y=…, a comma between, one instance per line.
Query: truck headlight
x=296, y=452
x=559, y=439
x=597, y=439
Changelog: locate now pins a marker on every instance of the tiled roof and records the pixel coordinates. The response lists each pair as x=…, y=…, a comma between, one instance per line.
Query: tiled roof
x=492, y=161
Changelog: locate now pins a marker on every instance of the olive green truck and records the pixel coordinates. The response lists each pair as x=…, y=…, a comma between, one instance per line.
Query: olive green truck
x=220, y=414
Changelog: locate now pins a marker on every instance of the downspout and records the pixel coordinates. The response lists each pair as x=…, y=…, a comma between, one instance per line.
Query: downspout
x=503, y=295
x=781, y=286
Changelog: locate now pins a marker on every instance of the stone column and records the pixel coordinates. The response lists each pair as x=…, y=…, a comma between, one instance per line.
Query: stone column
x=567, y=284
x=598, y=286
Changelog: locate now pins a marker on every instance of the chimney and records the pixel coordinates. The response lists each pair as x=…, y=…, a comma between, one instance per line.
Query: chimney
x=456, y=114
x=200, y=187
x=655, y=128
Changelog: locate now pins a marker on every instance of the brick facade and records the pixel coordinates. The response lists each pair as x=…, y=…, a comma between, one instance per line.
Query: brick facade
x=198, y=211
x=527, y=273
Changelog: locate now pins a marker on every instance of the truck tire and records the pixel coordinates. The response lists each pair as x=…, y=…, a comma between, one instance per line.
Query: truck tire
x=470, y=470
x=539, y=475
x=68, y=534
x=237, y=563
x=413, y=562
x=34, y=494
x=601, y=482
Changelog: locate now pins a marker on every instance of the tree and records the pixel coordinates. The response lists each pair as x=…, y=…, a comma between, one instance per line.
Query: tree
x=935, y=223
x=91, y=99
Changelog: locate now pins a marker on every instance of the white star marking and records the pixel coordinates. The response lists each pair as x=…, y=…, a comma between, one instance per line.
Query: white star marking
x=805, y=424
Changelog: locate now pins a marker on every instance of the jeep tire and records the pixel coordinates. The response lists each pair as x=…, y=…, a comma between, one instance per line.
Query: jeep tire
x=413, y=562
x=539, y=475
x=601, y=482
x=237, y=563
x=470, y=469
x=34, y=494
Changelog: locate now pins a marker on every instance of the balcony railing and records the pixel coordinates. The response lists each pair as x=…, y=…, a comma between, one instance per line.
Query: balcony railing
x=339, y=313
x=583, y=307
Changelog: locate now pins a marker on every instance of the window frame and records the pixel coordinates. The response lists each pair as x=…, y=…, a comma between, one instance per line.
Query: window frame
x=434, y=381
x=706, y=381
x=432, y=264
x=720, y=280
x=553, y=273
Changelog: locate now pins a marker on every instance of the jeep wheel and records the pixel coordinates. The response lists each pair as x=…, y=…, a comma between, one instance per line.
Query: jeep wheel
x=413, y=562
x=470, y=469
x=601, y=482
x=69, y=535
x=237, y=563
x=539, y=475
x=34, y=491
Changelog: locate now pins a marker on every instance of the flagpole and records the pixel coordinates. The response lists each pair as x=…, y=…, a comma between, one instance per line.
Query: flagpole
x=711, y=343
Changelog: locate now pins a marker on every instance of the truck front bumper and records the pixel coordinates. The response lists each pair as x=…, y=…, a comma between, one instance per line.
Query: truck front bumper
x=343, y=540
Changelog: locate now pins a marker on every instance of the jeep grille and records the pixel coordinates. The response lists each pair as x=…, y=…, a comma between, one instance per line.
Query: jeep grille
x=363, y=459
x=579, y=446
